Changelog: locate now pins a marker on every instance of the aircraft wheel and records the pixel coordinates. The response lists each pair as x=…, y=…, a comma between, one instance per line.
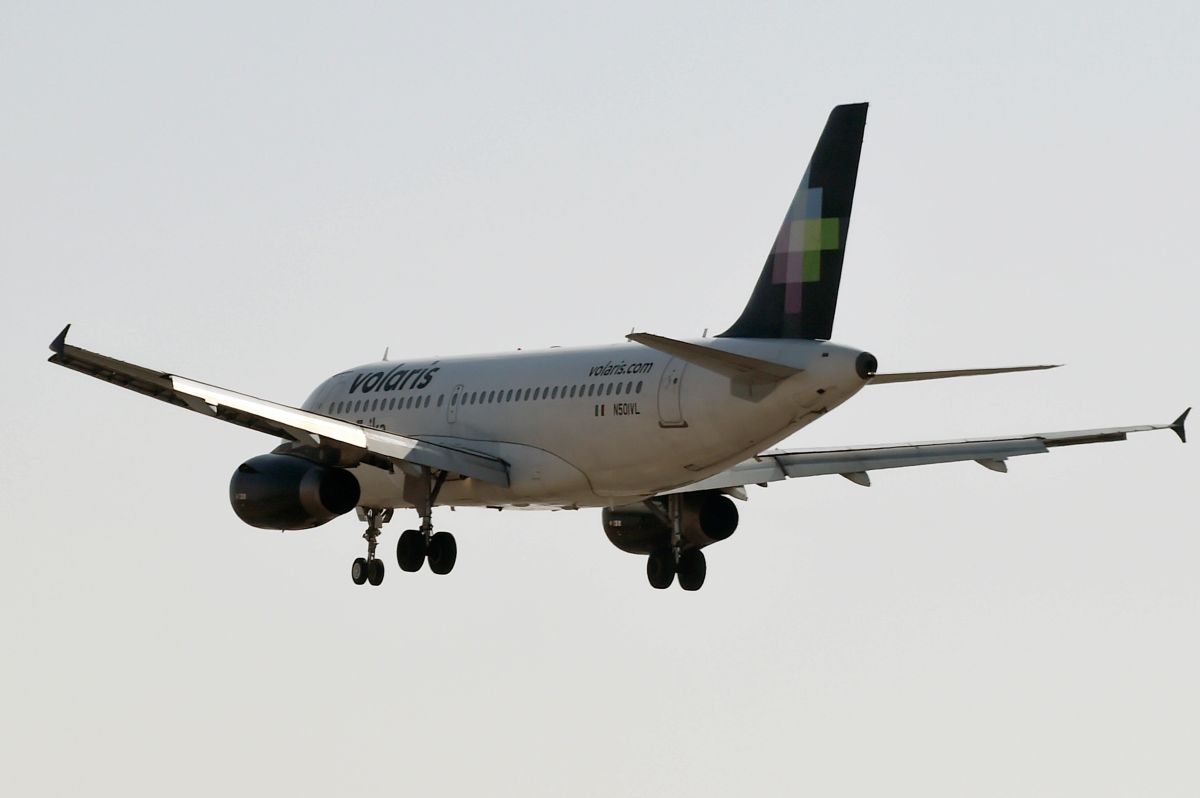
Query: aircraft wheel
x=692, y=569
x=375, y=572
x=443, y=552
x=358, y=571
x=660, y=569
x=410, y=550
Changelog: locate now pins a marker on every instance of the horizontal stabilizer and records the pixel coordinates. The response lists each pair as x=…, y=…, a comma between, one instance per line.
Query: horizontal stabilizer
x=742, y=368
x=919, y=376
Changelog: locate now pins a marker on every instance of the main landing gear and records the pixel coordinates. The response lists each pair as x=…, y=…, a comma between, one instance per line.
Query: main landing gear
x=416, y=546
x=664, y=565
x=662, y=569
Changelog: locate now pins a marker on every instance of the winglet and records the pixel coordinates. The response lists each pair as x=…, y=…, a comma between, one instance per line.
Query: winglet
x=60, y=343
x=1177, y=425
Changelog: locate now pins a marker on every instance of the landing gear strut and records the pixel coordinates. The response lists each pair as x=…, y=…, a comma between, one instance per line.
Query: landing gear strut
x=418, y=545
x=665, y=564
x=369, y=568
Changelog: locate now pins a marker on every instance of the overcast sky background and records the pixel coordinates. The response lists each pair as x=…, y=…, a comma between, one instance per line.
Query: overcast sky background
x=258, y=195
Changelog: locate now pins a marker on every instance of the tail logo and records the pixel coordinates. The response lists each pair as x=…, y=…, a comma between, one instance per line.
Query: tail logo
x=797, y=289
x=798, y=247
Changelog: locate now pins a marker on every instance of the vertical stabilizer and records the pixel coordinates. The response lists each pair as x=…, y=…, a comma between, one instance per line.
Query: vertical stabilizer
x=796, y=294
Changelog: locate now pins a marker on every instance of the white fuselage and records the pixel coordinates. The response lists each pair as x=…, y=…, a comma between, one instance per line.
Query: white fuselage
x=588, y=426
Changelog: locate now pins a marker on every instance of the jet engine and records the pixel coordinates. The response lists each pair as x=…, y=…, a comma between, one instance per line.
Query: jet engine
x=279, y=491
x=708, y=517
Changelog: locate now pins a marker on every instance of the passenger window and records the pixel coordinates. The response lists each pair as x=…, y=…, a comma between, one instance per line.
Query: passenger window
x=592, y=389
x=639, y=386
x=427, y=398
x=339, y=407
x=472, y=397
x=629, y=387
x=608, y=390
x=509, y=395
x=454, y=400
x=491, y=397
x=441, y=396
x=619, y=388
x=357, y=405
x=554, y=393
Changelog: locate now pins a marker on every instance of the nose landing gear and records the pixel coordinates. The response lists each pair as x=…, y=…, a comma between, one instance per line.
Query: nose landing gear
x=369, y=568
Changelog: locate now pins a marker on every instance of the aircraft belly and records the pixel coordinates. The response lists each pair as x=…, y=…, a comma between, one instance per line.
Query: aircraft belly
x=537, y=477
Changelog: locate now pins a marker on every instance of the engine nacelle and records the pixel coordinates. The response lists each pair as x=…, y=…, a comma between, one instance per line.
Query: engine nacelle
x=278, y=491
x=708, y=517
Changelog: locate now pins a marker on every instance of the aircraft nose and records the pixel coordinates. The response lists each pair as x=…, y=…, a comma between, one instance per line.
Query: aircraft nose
x=866, y=365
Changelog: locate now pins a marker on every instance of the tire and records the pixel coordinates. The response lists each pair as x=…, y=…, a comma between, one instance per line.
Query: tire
x=660, y=569
x=410, y=551
x=443, y=552
x=692, y=569
x=375, y=572
x=358, y=571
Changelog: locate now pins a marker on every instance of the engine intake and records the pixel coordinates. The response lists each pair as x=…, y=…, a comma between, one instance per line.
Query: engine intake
x=278, y=491
x=708, y=517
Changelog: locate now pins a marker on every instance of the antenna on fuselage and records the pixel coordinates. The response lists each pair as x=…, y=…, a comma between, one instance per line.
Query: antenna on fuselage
x=385, y=351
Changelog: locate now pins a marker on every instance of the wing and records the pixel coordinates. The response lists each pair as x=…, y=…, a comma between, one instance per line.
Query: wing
x=335, y=441
x=855, y=462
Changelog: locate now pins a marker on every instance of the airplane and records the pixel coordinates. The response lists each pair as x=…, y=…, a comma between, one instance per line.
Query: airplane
x=661, y=433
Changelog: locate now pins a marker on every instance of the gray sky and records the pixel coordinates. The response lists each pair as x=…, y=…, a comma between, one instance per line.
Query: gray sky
x=258, y=195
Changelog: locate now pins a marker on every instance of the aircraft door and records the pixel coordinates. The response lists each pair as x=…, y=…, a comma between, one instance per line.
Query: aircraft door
x=670, y=413
x=452, y=408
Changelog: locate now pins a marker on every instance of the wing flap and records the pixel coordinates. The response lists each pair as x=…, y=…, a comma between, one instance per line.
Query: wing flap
x=333, y=436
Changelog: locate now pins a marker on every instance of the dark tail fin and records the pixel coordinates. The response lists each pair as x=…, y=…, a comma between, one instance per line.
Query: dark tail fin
x=796, y=294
